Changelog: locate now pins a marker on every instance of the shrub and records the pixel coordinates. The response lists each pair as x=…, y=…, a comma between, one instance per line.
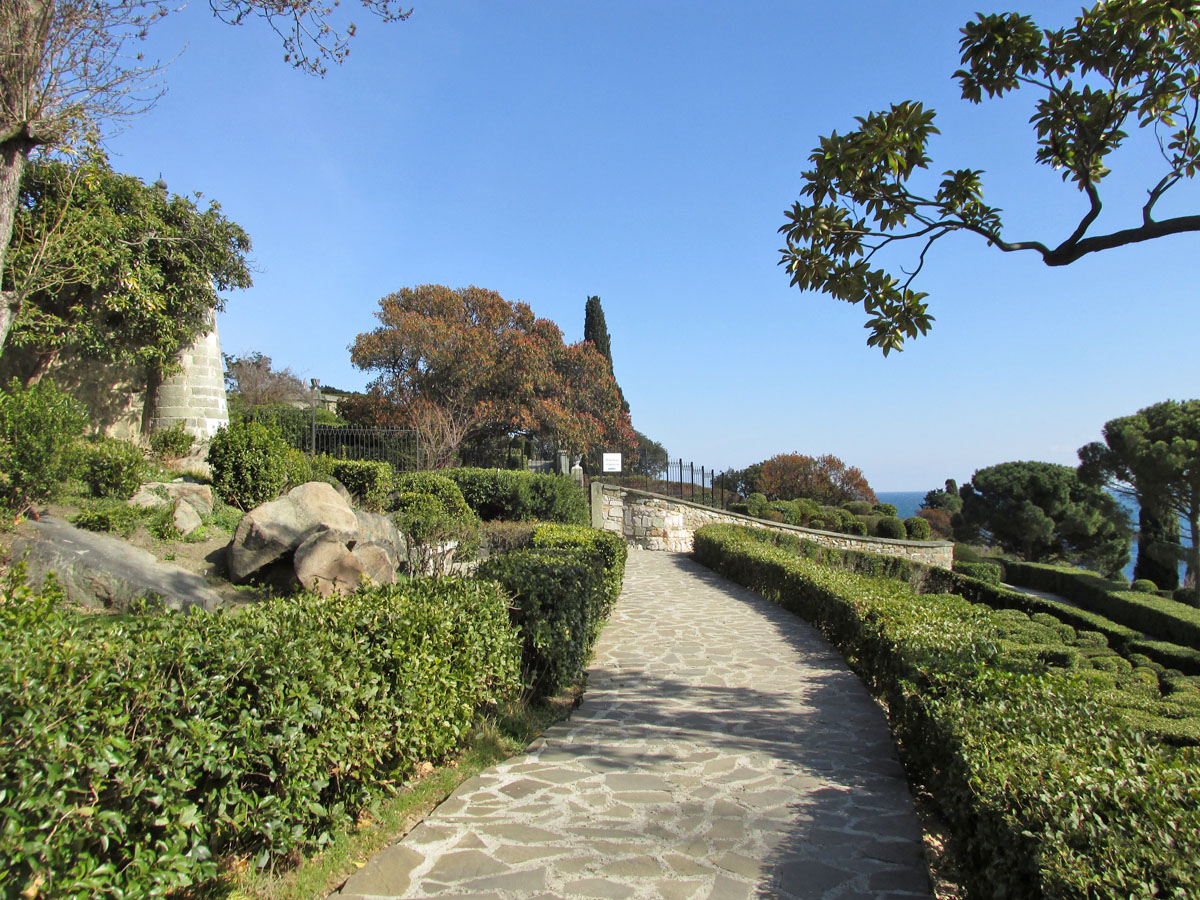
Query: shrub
x=292, y=423
x=858, y=507
x=109, y=516
x=502, y=537
x=1144, y=585
x=917, y=529
x=983, y=571
x=429, y=510
x=249, y=464
x=368, y=481
x=39, y=443
x=113, y=468
x=1039, y=776
x=173, y=443
x=884, y=509
x=819, y=524
x=560, y=596
x=856, y=527
x=608, y=551
x=161, y=742
x=756, y=504
x=890, y=527
x=1188, y=596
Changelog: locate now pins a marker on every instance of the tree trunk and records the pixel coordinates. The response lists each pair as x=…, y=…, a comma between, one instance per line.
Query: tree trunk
x=13, y=156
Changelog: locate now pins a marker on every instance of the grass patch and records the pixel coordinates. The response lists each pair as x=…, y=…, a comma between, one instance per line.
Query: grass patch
x=315, y=877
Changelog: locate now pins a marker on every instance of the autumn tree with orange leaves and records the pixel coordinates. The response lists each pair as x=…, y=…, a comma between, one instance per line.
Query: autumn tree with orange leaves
x=825, y=479
x=464, y=366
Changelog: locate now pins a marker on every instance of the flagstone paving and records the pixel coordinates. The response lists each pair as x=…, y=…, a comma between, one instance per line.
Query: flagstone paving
x=723, y=750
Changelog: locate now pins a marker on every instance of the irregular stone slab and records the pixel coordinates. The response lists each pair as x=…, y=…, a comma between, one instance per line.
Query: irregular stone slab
x=162, y=493
x=271, y=533
x=723, y=750
x=99, y=571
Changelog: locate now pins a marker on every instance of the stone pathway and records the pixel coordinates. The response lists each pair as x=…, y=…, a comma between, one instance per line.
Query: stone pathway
x=722, y=751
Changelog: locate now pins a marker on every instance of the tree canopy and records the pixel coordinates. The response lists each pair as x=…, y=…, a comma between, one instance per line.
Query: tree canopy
x=1154, y=455
x=109, y=268
x=70, y=68
x=1043, y=511
x=1124, y=66
x=467, y=365
x=256, y=382
x=825, y=479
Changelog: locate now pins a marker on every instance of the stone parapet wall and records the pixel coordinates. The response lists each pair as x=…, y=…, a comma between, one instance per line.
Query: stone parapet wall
x=655, y=522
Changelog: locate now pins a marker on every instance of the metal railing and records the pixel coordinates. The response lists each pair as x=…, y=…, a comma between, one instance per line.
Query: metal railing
x=399, y=446
x=685, y=480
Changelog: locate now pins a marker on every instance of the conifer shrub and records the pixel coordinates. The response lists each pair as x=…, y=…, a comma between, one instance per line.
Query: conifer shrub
x=855, y=527
x=1144, y=585
x=890, y=527
x=40, y=428
x=756, y=504
x=112, y=467
x=884, y=509
x=917, y=529
x=858, y=507
x=249, y=464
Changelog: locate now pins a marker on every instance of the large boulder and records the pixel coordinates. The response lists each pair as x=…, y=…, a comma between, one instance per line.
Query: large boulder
x=374, y=528
x=324, y=564
x=376, y=562
x=98, y=571
x=271, y=533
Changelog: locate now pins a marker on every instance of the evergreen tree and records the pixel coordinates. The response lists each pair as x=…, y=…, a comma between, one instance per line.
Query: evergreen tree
x=595, y=330
x=1158, y=548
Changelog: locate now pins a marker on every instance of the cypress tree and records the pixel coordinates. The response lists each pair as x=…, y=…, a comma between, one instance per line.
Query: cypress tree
x=595, y=329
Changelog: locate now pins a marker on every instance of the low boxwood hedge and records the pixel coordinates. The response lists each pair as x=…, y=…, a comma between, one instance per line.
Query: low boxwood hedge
x=132, y=755
x=1158, y=617
x=1049, y=791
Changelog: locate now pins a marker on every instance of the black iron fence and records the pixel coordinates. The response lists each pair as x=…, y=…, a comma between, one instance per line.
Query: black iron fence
x=399, y=446
x=685, y=480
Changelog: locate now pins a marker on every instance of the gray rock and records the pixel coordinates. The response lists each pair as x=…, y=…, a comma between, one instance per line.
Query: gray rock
x=98, y=571
x=374, y=528
x=162, y=493
x=272, y=532
x=376, y=562
x=186, y=519
x=324, y=564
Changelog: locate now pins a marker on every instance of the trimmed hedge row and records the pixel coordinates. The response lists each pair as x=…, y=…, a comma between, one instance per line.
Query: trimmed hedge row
x=132, y=752
x=1048, y=790
x=519, y=496
x=1156, y=616
x=564, y=586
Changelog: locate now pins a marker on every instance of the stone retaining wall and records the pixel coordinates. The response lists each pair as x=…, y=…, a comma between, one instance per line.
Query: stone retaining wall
x=656, y=522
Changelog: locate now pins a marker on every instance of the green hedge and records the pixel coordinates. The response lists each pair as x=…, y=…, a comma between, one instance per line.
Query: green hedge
x=1049, y=791
x=368, y=481
x=565, y=585
x=1157, y=616
x=521, y=496
x=132, y=754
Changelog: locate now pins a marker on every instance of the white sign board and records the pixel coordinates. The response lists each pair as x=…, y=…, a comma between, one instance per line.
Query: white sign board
x=612, y=462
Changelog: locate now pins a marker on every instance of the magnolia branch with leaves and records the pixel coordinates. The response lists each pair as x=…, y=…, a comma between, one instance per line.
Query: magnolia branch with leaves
x=1123, y=63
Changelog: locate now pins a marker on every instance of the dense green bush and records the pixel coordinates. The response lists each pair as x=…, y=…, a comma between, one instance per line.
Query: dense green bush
x=170, y=444
x=1144, y=586
x=112, y=467
x=292, y=423
x=987, y=572
x=608, y=551
x=368, y=481
x=884, y=509
x=249, y=464
x=298, y=468
x=499, y=536
x=859, y=507
x=891, y=527
x=917, y=529
x=520, y=496
x=560, y=600
x=756, y=504
x=429, y=510
x=132, y=755
x=1049, y=790
x=1156, y=616
x=855, y=527
x=39, y=443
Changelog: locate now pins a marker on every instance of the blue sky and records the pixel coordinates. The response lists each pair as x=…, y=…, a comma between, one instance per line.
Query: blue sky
x=645, y=152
